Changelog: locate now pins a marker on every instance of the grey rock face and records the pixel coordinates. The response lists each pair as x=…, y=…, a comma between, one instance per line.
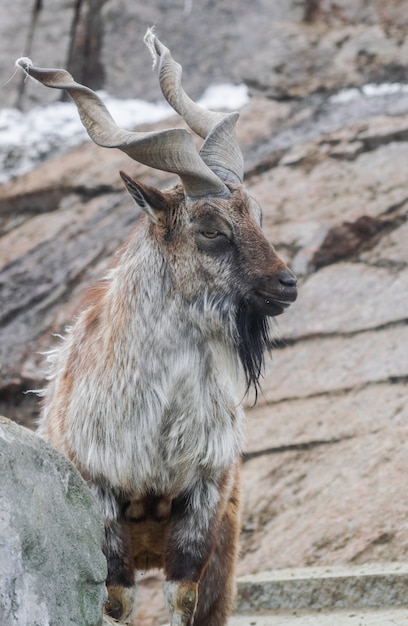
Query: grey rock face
x=52, y=569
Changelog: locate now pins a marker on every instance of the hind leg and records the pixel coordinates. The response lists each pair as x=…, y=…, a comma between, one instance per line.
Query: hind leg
x=217, y=587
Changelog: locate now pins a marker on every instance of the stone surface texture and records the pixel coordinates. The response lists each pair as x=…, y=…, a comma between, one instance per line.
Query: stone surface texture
x=327, y=588
x=52, y=570
x=324, y=474
x=394, y=617
x=373, y=595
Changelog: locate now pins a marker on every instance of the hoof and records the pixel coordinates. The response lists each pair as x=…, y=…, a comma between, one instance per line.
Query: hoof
x=181, y=601
x=120, y=605
x=114, y=609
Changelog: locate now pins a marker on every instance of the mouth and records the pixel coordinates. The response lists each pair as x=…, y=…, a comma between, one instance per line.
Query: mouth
x=270, y=305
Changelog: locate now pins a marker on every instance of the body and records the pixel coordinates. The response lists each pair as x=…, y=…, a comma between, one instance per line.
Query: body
x=145, y=390
x=155, y=424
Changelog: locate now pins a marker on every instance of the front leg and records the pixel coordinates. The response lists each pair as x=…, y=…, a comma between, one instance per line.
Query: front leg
x=118, y=552
x=190, y=542
x=121, y=571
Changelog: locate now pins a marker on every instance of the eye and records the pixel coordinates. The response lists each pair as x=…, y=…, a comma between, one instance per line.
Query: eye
x=212, y=241
x=210, y=234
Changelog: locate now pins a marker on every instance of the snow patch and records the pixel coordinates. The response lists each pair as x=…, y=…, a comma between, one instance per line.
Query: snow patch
x=370, y=90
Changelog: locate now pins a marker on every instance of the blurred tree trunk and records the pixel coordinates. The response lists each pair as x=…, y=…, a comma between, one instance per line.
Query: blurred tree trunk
x=84, y=56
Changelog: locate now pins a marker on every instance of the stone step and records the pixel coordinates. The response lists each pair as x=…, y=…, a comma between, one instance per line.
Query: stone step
x=369, y=617
x=368, y=595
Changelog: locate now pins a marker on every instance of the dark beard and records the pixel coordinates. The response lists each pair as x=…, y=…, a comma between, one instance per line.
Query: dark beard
x=253, y=341
x=250, y=333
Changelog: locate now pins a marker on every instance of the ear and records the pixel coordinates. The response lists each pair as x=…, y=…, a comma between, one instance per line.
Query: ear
x=149, y=199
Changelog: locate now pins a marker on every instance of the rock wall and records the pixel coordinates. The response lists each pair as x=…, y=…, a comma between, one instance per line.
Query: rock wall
x=52, y=570
x=326, y=462
x=338, y=44
x=333, y=416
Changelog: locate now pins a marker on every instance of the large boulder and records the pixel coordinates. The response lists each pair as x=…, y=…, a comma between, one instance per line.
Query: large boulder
x=52, y=569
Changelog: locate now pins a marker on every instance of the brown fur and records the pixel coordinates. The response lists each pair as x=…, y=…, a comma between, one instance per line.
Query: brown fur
x=148, y=521
x=217, y=587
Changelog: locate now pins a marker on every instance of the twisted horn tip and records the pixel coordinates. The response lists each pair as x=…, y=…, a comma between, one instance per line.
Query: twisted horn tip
x=23, y=63
x=153, y=44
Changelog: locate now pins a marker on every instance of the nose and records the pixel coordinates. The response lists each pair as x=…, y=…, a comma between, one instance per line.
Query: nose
x=287, y=278
x=287, y=282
